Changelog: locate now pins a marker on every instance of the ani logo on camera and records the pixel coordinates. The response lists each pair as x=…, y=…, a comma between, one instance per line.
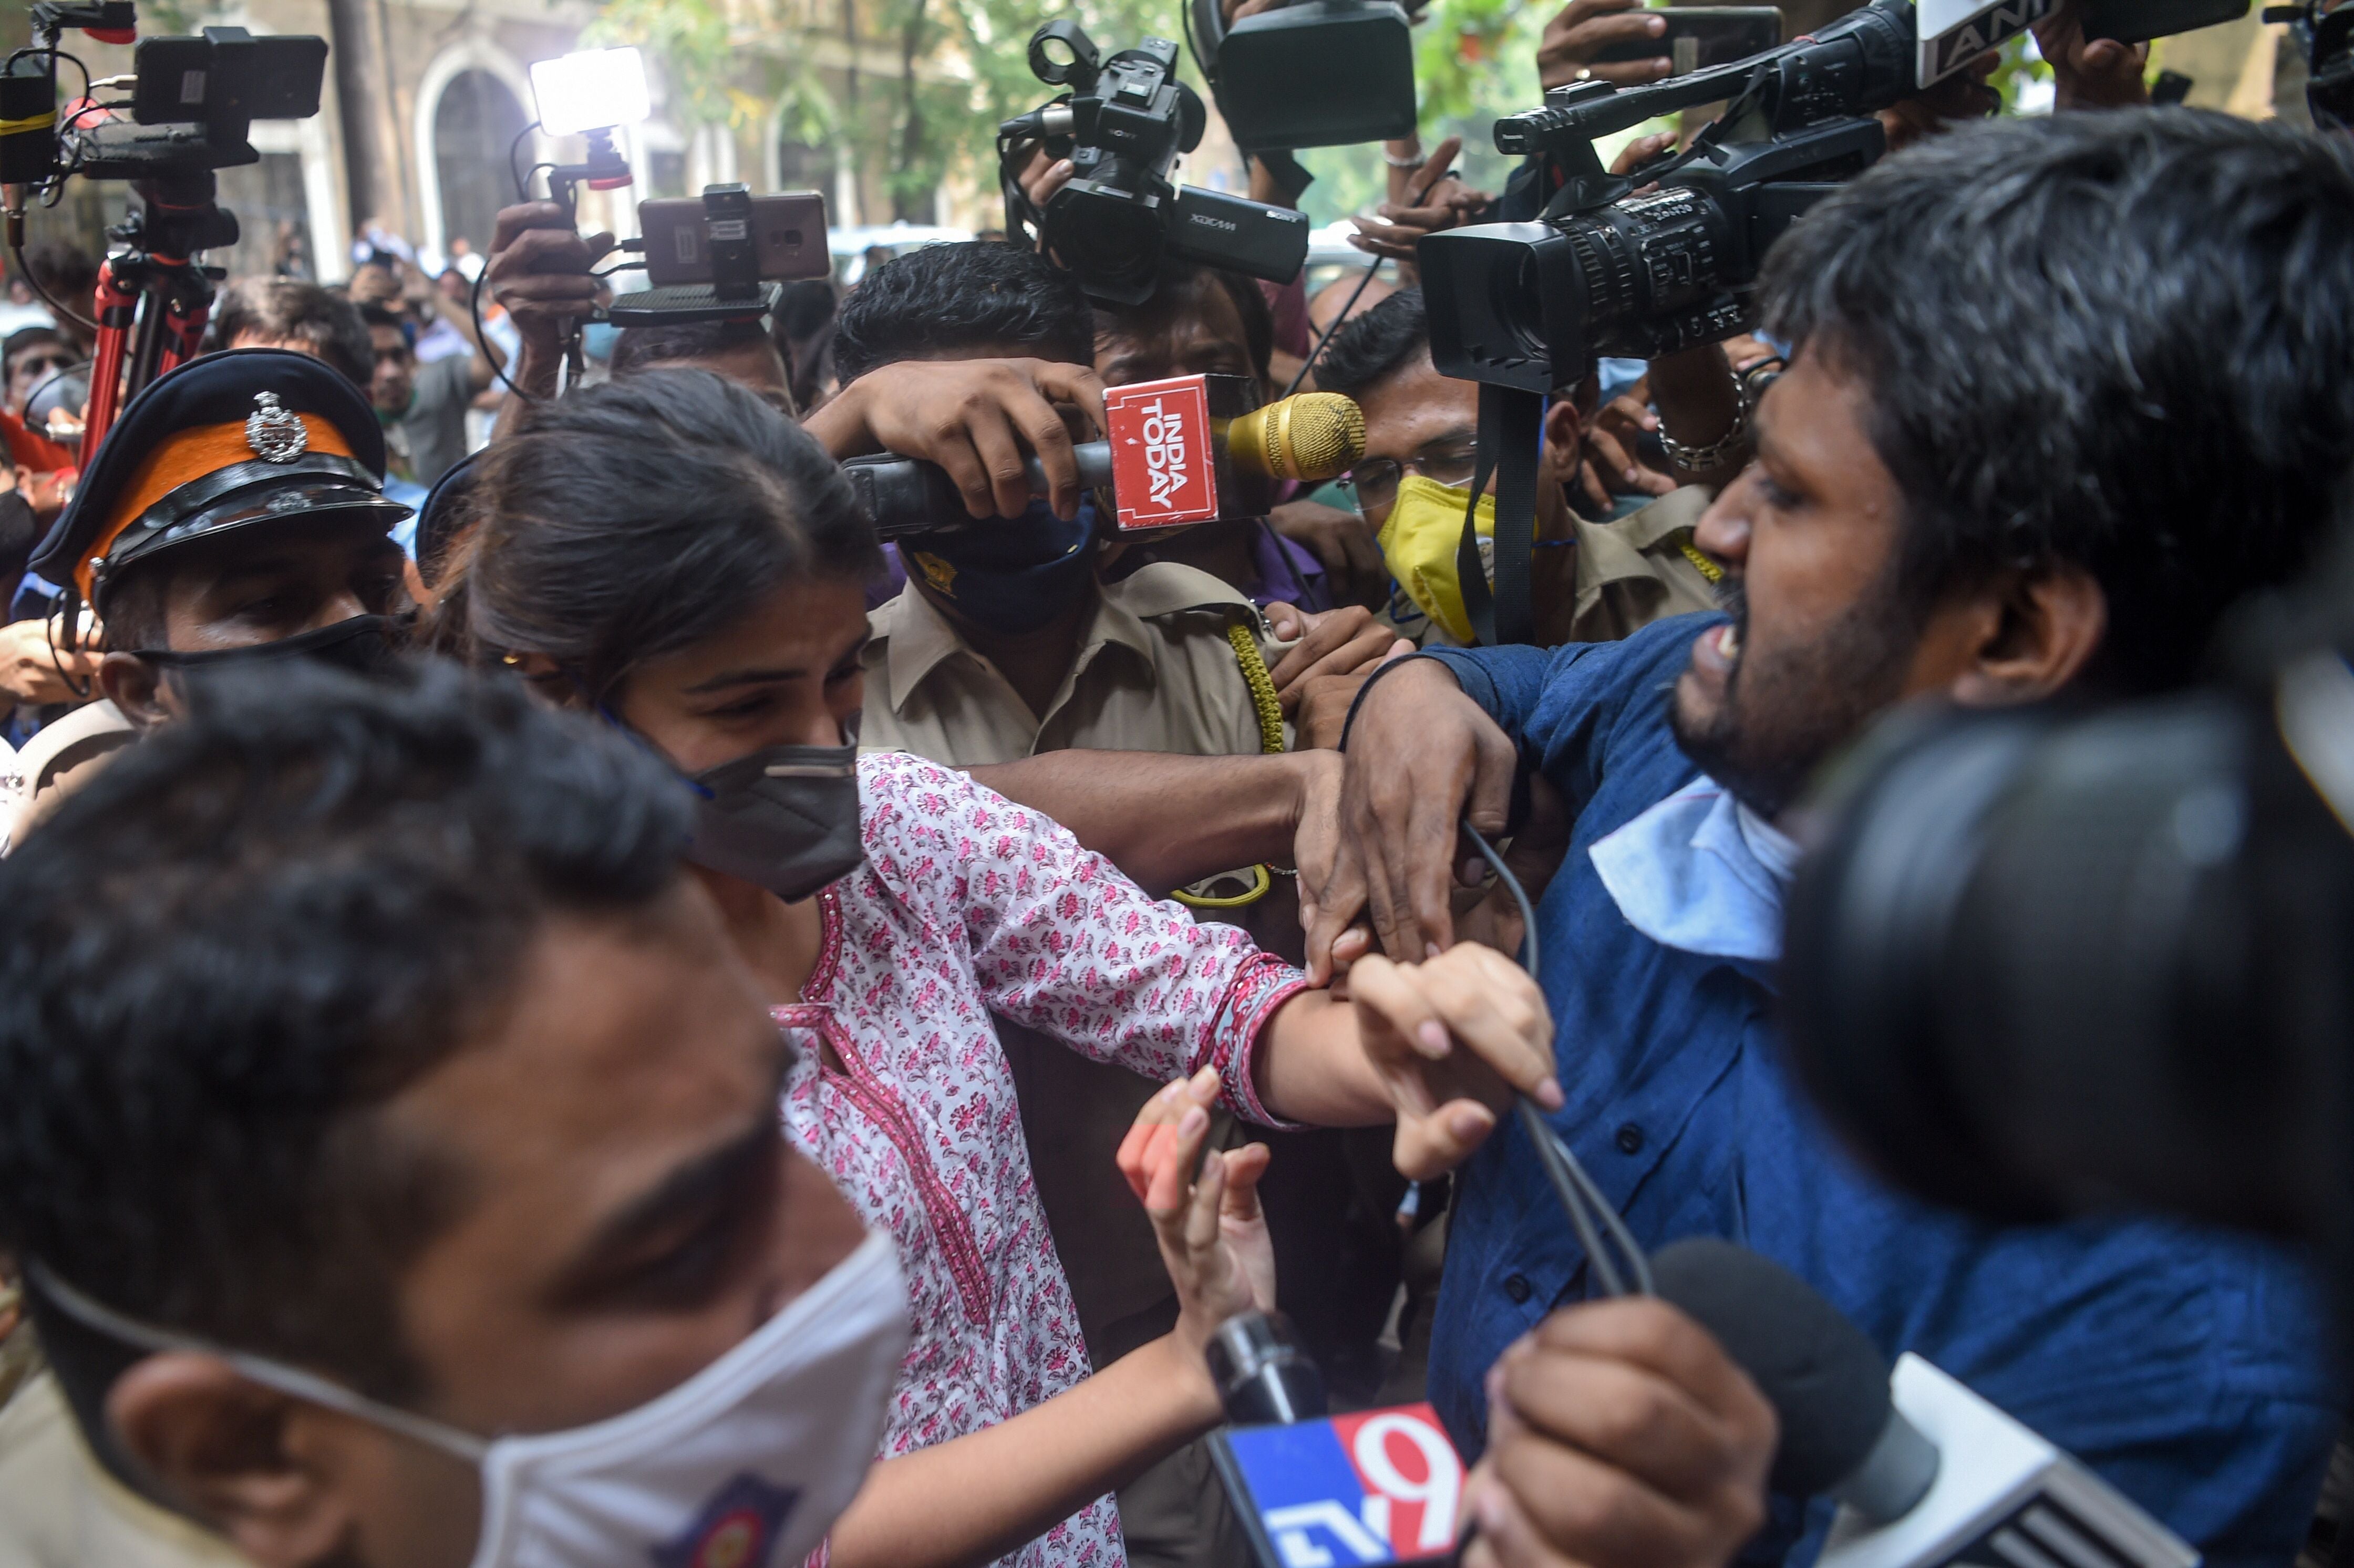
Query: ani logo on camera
x=1378, y=1487
x=1163, y=468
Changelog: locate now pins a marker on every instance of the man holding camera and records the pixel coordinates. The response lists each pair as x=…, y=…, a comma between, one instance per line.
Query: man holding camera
x=2061, y=496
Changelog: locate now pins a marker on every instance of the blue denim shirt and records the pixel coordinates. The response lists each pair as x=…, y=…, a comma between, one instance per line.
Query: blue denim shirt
x=2189, y=1368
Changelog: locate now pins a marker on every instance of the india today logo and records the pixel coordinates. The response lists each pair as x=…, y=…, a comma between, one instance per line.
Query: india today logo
x=1164, y=470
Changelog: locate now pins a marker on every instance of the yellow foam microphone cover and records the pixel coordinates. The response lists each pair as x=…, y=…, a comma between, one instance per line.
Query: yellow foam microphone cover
x=1311, y=436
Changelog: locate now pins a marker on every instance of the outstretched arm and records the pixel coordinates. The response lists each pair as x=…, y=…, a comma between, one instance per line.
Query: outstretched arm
x=980, y=1497
x=1167, y=820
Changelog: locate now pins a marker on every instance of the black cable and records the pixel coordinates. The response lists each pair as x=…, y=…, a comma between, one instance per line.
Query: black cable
x=17, y=254
x=474, y=309
x=522, y=181
x=1316, y=351
x=1591, y=1213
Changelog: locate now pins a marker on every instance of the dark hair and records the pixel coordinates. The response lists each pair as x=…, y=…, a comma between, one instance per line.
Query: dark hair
x=235, y=945
x=639, y=348
x=1372, y=348
x=289, y=311
x=23, y=338
x=1182, y=284
x=378, y=316
x=632, y=520
x=2124, y=341
x=955, y=299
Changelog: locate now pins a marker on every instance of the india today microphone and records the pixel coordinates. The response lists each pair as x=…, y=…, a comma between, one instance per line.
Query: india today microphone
x=1169, y=458
x=1926, y=1472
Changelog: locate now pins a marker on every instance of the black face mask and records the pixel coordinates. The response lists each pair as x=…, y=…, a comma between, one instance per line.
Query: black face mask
x=785, y=818
x=365, y=645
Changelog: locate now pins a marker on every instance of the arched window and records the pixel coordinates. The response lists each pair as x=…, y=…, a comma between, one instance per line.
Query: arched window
x=475, y=125
x=801, y=167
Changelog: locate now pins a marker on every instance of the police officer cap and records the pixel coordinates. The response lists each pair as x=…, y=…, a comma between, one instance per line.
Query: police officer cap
x=253, y=434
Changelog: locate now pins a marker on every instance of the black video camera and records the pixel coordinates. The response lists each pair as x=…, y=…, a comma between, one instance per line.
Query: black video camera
x=1122, y=125
x=193, y=101
x=1603, y=272
x=1309, y=73
x=2327, y=39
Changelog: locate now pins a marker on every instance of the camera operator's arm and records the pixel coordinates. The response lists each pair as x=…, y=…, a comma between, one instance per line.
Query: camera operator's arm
x=2090, y=74
x=1583, y=28
x=1167, y=820
x=1699, y=408
x=539, y=271
x=1444, y=201
x=974, y=418
x=1619, y=1433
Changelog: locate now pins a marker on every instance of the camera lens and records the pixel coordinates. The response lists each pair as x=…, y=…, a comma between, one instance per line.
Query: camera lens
x=1520, y=306
x=1113, y=246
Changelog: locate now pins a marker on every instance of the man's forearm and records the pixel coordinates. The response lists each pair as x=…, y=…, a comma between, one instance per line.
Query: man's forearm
x=535, y=378
x=1166, y=820
x=1700, y=405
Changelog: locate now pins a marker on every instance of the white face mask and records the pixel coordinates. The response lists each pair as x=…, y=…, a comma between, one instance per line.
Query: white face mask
x=744, y=1465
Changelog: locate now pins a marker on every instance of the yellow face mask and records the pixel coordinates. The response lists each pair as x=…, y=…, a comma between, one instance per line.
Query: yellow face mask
x=1420, y=540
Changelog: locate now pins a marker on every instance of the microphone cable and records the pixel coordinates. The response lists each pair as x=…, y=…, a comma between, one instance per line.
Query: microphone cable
x=1591, y=1215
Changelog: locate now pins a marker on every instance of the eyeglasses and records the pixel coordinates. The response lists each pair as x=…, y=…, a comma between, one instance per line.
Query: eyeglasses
x=1376, y=482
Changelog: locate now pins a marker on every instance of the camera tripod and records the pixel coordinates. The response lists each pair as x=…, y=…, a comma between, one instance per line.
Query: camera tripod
x=152, y=300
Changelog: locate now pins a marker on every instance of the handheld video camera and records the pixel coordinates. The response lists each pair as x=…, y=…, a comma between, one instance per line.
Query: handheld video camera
x=1122, y=125
x=192, y=104
x=2327, y=39
x=1312, y=73
x=1605, y=271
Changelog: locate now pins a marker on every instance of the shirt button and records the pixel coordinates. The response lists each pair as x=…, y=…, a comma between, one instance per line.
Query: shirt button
x=1518, y=1288
x=1631, y=1139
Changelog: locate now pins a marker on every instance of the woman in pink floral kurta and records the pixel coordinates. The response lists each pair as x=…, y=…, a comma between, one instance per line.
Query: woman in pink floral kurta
x=968, y=903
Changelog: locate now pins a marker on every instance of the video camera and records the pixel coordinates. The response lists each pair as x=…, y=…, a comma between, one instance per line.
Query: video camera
x=2041, y=963
x=191, y=103
x=1605, y=271
x=1122, y=125
x=2327, y=39
x=1309, y=73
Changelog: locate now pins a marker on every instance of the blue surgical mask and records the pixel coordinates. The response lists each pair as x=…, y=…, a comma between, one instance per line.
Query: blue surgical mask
x=1009, y=575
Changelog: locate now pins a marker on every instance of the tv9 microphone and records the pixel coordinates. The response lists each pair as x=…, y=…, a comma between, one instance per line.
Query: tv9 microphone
x=1926, y=1472
x=1167, y=457
x=1369, y=1488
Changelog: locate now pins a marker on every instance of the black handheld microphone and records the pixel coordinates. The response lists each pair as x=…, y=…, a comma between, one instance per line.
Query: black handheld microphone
x=1841, y=1435
x=1929, y=1473
x=1263, y=1376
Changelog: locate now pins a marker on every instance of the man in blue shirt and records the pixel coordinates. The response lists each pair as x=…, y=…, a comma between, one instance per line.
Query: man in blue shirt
x=2062, y=391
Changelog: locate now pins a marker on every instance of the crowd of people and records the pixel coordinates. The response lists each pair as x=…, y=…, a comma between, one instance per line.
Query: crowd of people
x=565, y=1004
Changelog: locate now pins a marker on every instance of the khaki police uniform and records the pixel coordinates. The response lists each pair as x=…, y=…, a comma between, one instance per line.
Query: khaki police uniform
x=60, y=1508
x=1630, y=572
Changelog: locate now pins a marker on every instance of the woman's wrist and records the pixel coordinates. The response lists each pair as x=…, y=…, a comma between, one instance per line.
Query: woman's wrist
x=1179, y=1366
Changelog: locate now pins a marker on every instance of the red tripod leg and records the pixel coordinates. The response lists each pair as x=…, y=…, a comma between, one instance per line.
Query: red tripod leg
x=116, y=307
